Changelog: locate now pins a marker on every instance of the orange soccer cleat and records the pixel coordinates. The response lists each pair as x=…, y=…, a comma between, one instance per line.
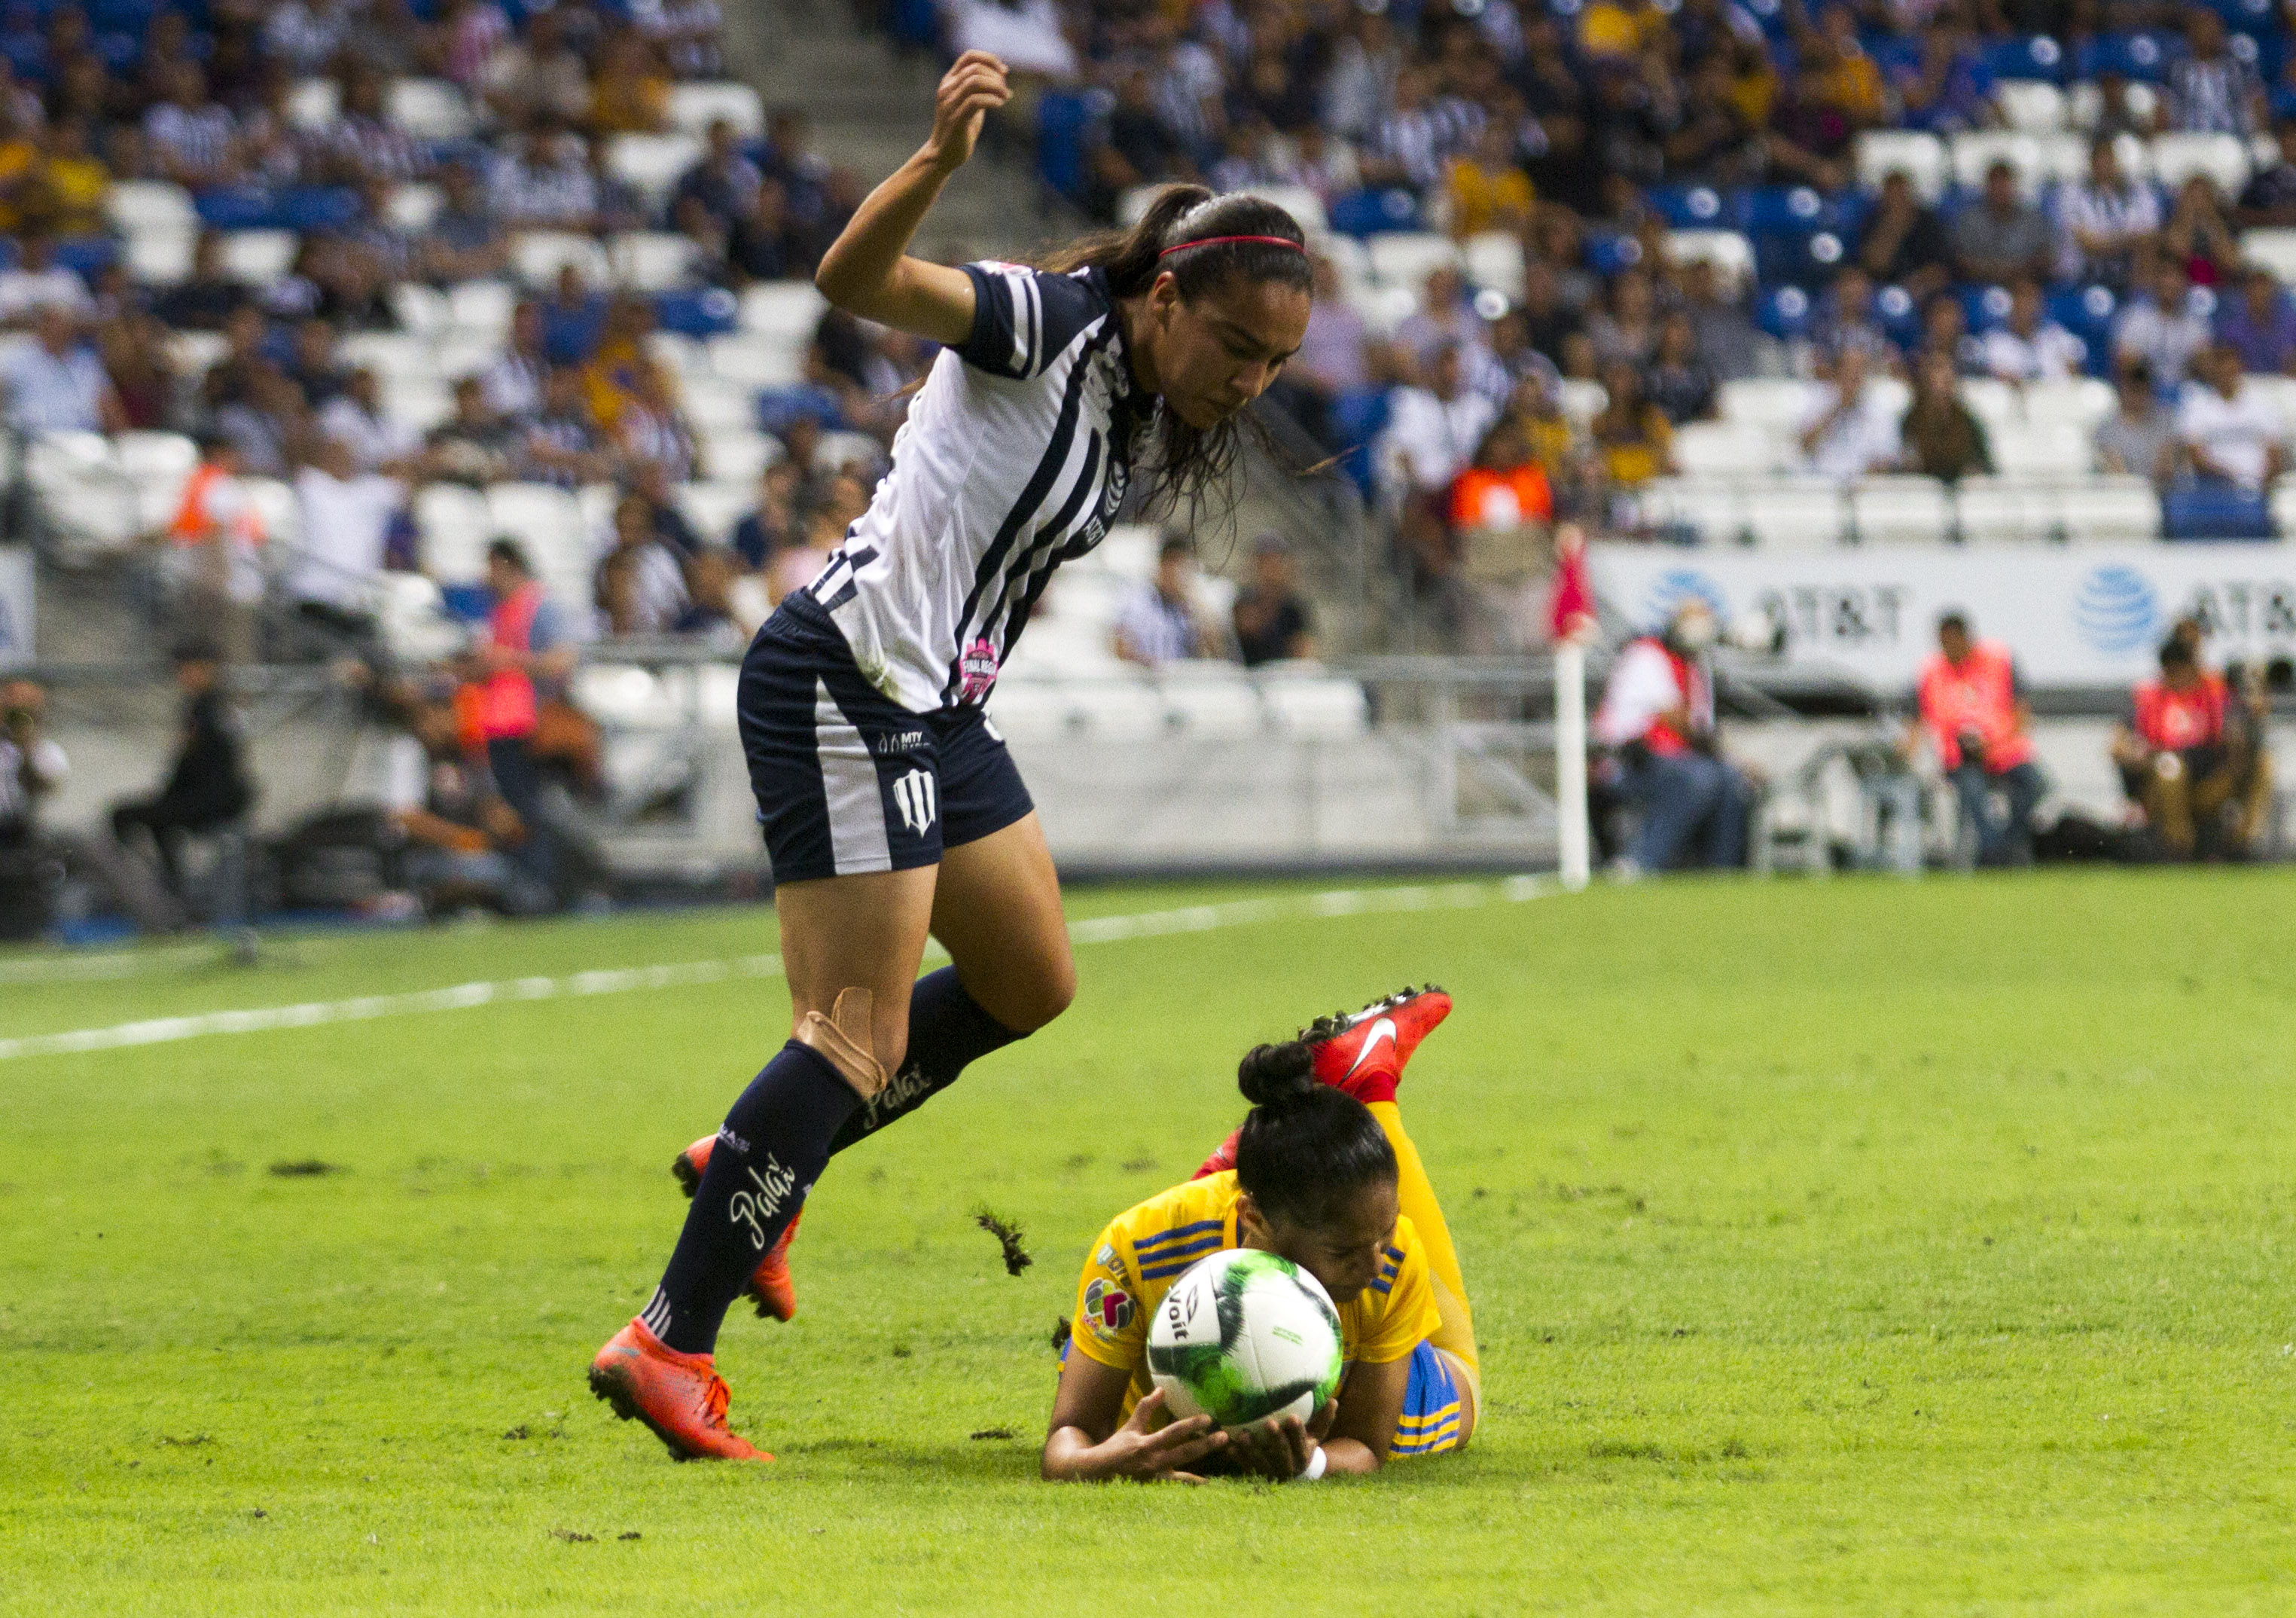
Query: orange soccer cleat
x=680, y=1397
x=1364, y=1052
x=771, y=1286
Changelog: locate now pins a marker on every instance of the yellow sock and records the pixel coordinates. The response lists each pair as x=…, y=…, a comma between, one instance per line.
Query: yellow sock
x=1417, y=1193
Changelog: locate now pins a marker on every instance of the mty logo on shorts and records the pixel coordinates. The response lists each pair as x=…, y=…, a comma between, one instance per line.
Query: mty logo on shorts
x=918, y=798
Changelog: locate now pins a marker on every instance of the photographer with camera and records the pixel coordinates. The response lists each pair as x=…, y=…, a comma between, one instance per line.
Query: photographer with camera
x=1973, y=708
x=1657, y=716
x=2192, y=754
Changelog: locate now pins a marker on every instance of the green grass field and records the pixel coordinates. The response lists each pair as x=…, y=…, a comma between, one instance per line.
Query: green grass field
x=1838, y=1247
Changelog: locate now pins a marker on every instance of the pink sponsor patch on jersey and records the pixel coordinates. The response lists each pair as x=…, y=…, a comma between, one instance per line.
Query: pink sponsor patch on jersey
x=977, y=669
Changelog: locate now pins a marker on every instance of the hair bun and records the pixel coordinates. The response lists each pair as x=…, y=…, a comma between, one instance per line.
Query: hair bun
x=1276, y=1075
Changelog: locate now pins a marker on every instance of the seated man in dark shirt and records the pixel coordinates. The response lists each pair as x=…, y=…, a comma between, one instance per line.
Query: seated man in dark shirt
x=208, y=786
x=206, y=300
x=1904, y=244
x=1272, y=618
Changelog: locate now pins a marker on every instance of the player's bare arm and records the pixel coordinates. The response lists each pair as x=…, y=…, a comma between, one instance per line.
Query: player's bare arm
x=867, y=270
x=1087, y=1445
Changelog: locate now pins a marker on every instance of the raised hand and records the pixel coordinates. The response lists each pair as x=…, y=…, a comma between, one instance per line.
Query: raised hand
x=968, y=90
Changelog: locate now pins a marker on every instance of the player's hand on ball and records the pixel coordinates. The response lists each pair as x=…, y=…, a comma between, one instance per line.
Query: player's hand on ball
x=967, y=92
x=1278, y=1448
x=1140, y=1450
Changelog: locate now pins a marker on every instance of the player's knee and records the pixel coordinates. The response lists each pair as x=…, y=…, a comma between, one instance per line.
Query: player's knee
x=1051, y=993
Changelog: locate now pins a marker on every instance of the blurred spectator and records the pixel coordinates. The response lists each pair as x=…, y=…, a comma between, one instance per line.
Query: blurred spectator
x=364, y=144
x=1487, y=190
x=653, y=431
x=133, y=351
x=1272, y=621
x=1628, y=329
x=458, y=832
x=356, y=418
x=1849, y=431
x=2177, y=760
x=37, y=283
x=262, y=421
x=1726, y=337
x=2115, y=117
x=513, y=383
x=32, y=765
x=2139, y=438
x=2231, y=432
x=1680, y=384
x=211, y=556
x=571, y=319
x=722, y=184
x=188, y=138
x=1942, y=439
x=2211, y=90
x=1432, y=430
x=618, y=361
x=314, y=366
x=1951, y=91
x=207, y=298
x=1506, y=490
x=1904, y=243
x=2268, y=200
x=1159, y=624
x=207, y=785
x=773, y=526
x=562, y=444
x=2257, y=321
x=1657, y=716
x=1550, y=319
x=344, y=519
x=464, y=239
x=2159, y=325
x=542, y=182
x=2028, y=347
x=524, y=661
x=641, y=581
x=536, y=74
x=630, y=94
x=1025, y=35
x=1446, y=314
x=1632, y=437
x=55, y=382
x=723, y=605
x=2107, y=218
x=473, y=446
x=2001, y=238
x=71, y=184
x=2197, y=234
x=1845, y=321
x=685, y=32
x=650, y=481
x=1972, y=705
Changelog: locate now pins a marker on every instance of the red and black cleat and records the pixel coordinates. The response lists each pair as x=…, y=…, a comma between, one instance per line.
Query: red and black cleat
x=1364, y=1052
x=771, y=1286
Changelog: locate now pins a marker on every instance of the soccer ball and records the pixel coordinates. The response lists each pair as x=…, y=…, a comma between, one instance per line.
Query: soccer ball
x=1245, y=1334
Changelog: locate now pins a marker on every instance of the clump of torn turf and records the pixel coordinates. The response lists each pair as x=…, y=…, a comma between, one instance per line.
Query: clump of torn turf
x=1008, y=1237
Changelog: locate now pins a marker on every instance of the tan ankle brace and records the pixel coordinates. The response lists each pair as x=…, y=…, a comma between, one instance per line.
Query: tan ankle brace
x=845, y=1039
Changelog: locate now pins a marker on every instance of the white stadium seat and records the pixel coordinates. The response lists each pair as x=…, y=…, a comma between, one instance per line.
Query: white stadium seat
x=1407, y=257
x=1581, y=400
x=423, y=310
x=835, y=451
x=482, y=307
x=1384, y=308
x=1795, y=513
x=2283, y=504
x=414, y=206
x=715, y=506
x=139, y=205
x=313, y=103
x=1495, y=261
x=2031, y=105
x=2057, y=449
x=2275, y=249
x=391, y=353
x=539, y=255
x=549, y=523
x=159, y=257
x=1900, y=511
x=651, y=260
x=2109, y=509
x=1305, y=206
x=756, y=362
x=2279, y=391
x=1996, y=511
x=1316, y=706
x=455, y=526
x=738, y=455
x=1348, y=257
x=2085, y=101
x=1210, y=701
x=1974, y=153
x=1725, y=449
x=687, y=356
x=194, y=352
x=694, y=107
x=1729, y=252
x=1992, y=401
x=282, y=514
x=1712, y=509
x=258, y=257
x=1776, y=404
x=712, y=403
x=2083, y=401
x=785, y=309
x=419, y=402
x=2176, y=157
x=1921, y=157
x=429, y=109
x=652, y=163
x=156, y=465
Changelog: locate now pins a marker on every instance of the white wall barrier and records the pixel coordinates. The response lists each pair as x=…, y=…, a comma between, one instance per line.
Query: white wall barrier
x=2087, y=615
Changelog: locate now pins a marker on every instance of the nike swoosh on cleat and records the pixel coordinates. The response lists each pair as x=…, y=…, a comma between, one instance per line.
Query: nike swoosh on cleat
x=1382, y=1030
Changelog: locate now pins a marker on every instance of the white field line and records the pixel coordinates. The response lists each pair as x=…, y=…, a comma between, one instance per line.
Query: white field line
x=624, y=980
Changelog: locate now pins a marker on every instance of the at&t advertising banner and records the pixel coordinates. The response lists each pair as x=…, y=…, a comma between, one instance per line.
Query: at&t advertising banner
x=2091, y=615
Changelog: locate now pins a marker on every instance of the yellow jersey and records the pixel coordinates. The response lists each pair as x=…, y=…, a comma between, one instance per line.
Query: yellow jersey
x=1144, y=1249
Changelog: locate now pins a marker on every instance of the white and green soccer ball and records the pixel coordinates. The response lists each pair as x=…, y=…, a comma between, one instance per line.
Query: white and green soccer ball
x=1243, y=1336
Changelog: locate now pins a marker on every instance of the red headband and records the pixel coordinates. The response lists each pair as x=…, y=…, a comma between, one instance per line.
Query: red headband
x=1216, y=240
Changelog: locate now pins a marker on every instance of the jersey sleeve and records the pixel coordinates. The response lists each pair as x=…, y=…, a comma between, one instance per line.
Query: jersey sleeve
x=1021, y=317
x=1109, y=1325
x=1410, y=1316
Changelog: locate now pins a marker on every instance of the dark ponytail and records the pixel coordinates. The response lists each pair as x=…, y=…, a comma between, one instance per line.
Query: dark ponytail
x=1190, y=463
x=1306, y=1149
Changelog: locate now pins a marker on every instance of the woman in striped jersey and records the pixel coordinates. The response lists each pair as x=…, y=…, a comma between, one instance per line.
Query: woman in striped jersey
x=890, y=806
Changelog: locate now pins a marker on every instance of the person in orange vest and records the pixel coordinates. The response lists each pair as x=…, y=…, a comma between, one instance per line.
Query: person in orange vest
x=1974, y=709
x=211, y=559
x=527, y=641
x=2176, y=757
x=1657, y=715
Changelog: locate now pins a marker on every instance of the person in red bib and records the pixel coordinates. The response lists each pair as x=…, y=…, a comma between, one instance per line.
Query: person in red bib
x=1973, y=708
x=527, y=641
x=1657, y=716
x=2176, y=757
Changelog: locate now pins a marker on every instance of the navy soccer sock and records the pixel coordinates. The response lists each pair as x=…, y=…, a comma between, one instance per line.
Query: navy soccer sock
x=947, y=1029
x=773, y=1146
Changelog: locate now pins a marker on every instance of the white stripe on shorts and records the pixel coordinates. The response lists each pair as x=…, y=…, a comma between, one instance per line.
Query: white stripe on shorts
x=849, y=779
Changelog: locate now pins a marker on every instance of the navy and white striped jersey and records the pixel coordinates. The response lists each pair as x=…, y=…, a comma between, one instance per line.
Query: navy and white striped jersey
x=1014, y=457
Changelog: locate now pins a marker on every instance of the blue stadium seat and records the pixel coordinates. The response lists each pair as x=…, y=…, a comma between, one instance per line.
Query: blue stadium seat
x=1358, y=418
x=1898, y=317
x=1699, y=207
x=1797, y=257
x=777, y=407
x=2088, y=313
x=1986, y=306
x=2215, y=511
x=1785, y=313
x=27, y=55
x=1610, y=251
x=1365, y=213
x=2248, y=16
x=568, y=335
x=316, y=208
x=1063, y=118
x=2140, y=53
x=84, y=256
x=703, y=312
x=236, y=208
x=2034, y=56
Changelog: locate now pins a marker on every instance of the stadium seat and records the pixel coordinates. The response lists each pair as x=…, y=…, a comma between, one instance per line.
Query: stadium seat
x=1730, y=253
x=696, y=312
x=1064, y=120
x=1348, y=257
x=419, y=402
x=429, y=109
x=1367, y=213
x=313, y=103
x=282, y=514
x=756, y=362
x=192, y=352
x=1384, y=308
x=1795, y=513
x=622, y=696
x=455, y=526
x=712, y=403
x=2280, y=392
x=1994, y=403
x=2084, y=402
x=2215, y=511
x=651, y=260
x=539, y=255
x=1921, y=157
x=482, y=307
x=2002, y=511
x=1704, y=510
x=2085, y=101
x=837, y=450
x=1495, y=261
x=2064, y=158
x=1784, y=312
x=785, y=309
x=258, y=257
x=652, y=163
x=414, y=206
x=1316, y=706
x=1776, y=404
x=549, y=523
x=2033, y=105
x=2176, y=158
x=1725, y=449
x=391, y=353
x=694, y=107
x=134, y=206
x=422, y=310
x=1900, y=511
x=2107, y=509
x=156, y=465
x=714, y=507
x=2275, y=249
x=689, y=358
x=1581, y=400
x=1407, y=257
x=739, y=455
x=159, y=257
x=2283, y=504
x=1209, y=701
x=1975, y=152
x=1699, y=207
x=1305, y=206
x=2055, y=448
x=2034, y=57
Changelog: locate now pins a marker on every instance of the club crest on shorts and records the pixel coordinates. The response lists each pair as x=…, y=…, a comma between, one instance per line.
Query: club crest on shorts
x=918, y=798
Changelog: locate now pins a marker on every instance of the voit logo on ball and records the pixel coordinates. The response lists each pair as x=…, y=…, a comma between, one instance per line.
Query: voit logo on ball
x=1676, y=586
x=2117, y=611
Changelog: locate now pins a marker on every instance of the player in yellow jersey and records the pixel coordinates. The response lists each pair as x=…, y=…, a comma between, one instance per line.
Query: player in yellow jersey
x=1322, y=1173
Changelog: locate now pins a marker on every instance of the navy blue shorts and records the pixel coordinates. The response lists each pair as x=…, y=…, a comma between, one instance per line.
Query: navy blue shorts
x=846, y=779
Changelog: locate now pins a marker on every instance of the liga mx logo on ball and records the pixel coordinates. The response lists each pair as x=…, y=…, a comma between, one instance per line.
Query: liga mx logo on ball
x=1245, y=1336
